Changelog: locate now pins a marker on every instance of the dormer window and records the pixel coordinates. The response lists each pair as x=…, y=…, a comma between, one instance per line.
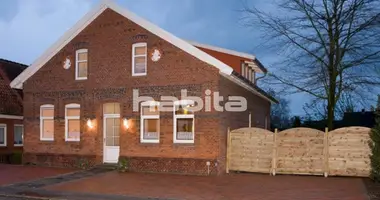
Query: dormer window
x=139, y=59
x=81, y=64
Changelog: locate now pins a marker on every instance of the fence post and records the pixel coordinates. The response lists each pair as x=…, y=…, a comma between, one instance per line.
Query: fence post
x=228, y=150
x=250, y=120
x=326, y=152
x=274, y=156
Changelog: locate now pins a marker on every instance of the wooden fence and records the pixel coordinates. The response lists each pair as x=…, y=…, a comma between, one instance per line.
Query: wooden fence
x=342, y=152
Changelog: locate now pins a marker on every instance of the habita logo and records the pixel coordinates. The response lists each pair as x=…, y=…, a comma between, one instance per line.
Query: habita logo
x=211, y=101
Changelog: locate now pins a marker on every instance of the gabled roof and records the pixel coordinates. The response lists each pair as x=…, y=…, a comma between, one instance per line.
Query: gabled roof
x=223, y=50
x=11, y=99
x=11, y=69
x=248, y=56
x=91, y=16
x=224, y=69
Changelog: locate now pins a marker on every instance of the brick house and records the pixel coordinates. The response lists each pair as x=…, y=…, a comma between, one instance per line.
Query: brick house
x=11, y=125
x=78, y=96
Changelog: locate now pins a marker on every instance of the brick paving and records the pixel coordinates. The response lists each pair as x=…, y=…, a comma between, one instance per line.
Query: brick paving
x=234, y=186
x=10, y=174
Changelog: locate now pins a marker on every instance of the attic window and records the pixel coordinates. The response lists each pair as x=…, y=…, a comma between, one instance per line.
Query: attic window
x=139, y=59
x=81, y=64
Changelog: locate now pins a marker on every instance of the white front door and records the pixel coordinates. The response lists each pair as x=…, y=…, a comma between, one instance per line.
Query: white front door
x=111, y=136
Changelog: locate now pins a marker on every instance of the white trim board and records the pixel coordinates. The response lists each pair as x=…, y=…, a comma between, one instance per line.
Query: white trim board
x=248, y=87
x=91, y=16
x=10, y=117
x=223, y=50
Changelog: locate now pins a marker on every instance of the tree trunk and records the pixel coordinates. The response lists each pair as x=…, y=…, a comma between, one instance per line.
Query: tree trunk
x=331, y=104
x=330, y=115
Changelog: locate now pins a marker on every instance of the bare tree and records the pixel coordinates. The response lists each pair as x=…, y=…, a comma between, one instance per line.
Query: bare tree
x=280, y=112
x=317, y=109
x=330, y=47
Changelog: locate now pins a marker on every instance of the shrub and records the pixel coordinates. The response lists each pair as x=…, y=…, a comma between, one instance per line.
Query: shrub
x=16, y=158
x=122, y=166
x=83, y=164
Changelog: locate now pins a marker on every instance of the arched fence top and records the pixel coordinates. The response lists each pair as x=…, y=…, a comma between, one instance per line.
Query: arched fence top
x=301, y=130
x=351, y=130
x=252, y=130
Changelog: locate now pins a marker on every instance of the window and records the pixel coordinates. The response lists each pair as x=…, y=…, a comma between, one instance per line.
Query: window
x=253, y=76
x=183, y=122
x=243, y=69
x=72, y=121
x=47, y=123
x=139, y=59
x=150, y=122
x=250, y=74
x=81, y=64
x=3, y=135
x=18, y=135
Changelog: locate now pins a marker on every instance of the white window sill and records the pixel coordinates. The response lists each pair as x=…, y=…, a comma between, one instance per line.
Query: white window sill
x=80, y=79
x=142, y=74
x=72, y=140
x=183, y=141
x=47, y=139
x=150, y=141
x=3, y=145
x=18, y=145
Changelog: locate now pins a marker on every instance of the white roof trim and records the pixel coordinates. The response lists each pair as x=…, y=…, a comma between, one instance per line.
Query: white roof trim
x=254, y=66
x=222, y=50
x=91, y=16
x=246, y=86
x=10, y=117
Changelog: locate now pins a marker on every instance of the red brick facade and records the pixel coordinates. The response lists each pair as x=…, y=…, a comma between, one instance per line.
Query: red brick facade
x=10, y=148
x=10, y=105
x=109, y=41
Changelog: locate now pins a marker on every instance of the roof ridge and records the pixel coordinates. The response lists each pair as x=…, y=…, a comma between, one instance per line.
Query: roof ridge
x=223, y=50
x=12, y=62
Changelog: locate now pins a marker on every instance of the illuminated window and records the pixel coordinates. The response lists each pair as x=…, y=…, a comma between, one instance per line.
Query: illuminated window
x=72, y=121
x=81, y=64
x=183, y=122
x=150, y=122
x=139, y=59
x=47, y=123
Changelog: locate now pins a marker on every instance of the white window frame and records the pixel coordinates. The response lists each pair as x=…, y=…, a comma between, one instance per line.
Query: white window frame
x=4, y=126
x=140, y=44
x=22, y=135
x=77, y=61
x=175, y=117
x=246, y=75
x=143, y=117
x=67, y=118
x=243, y=69
x=250, y=74
x=41, y=122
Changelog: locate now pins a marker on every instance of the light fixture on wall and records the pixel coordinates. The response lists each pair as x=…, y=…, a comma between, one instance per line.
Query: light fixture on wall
x=90, y=124
x=125, y=123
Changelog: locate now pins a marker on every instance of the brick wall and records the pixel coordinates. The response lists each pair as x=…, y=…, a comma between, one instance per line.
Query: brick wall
x=109, y=42
x=10, y=148
x=257, y=106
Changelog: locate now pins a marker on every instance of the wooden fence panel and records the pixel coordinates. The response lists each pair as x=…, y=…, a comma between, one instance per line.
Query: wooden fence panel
x=300, y=151
x=349, y=152
x=251, y=150
x=342, y=152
